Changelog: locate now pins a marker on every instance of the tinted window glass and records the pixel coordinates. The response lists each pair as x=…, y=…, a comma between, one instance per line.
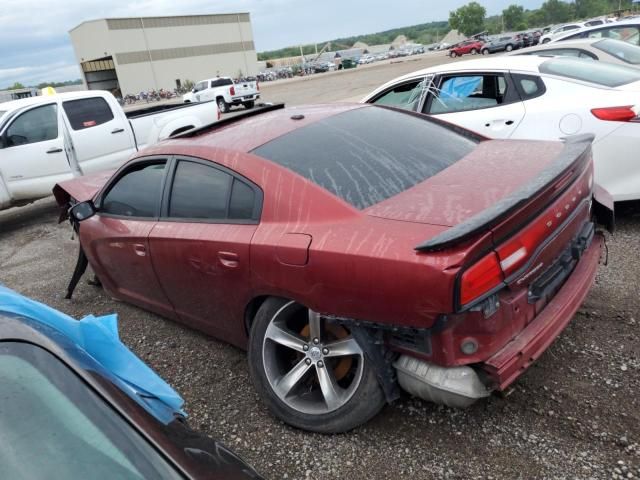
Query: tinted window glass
x=35, y=125
x=242, y=201
x=622, y=33
x=530, y=85
x=406, y=95
x=369, y=154
x=221, y=82
x=53, y=425
x=622, y=50
x=199, y=192
x=468, y=92
x=137, y=193
x=87, y=112
x=600, y=73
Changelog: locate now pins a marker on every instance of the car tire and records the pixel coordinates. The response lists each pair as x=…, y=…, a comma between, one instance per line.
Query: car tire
x=474, y=51
x=222, y=105
x=293, y=383
x=508, y=48
x=249, y=105
x=453, y=54
x=485, y=51
x=546, y=40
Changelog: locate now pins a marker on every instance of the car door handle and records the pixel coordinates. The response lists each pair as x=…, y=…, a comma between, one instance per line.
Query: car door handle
x=117, y=130
x=140, y=249
x=228, y=259
x=54, y=150
x=509, y=122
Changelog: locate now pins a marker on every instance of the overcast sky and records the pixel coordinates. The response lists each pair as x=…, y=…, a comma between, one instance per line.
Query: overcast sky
x=35, y=44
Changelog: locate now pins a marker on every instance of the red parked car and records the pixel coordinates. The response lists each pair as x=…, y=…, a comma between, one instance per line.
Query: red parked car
x=470, y=46
x=352, y=249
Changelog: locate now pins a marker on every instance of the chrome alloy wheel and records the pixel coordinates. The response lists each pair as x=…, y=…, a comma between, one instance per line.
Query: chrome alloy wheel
x=312, y=364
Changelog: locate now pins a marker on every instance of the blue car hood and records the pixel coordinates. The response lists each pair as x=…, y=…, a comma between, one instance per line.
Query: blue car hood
x=98, y=338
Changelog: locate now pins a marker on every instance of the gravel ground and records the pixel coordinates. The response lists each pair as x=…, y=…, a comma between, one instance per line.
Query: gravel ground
x=573, y=415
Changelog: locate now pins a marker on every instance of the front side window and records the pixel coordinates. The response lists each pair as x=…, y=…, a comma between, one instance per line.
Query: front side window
x=87, y=112
x=137, y=192
x=53, y=425
x=468, y=92
x=200, y=86
x=203, y=192
x=36, y=125
x=406, y=95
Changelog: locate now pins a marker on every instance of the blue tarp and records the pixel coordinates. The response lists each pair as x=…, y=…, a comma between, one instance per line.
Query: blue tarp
x=98, y=337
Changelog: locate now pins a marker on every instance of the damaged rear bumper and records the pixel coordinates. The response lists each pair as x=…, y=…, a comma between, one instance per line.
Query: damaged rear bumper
x=505, y=366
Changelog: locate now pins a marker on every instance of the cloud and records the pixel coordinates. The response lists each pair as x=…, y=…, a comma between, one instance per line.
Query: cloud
x=34, y=39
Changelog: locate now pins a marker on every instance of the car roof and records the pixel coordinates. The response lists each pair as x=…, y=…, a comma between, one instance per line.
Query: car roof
x=620, y=23
x=26, y=102
x=526, y=63
x=248, y=133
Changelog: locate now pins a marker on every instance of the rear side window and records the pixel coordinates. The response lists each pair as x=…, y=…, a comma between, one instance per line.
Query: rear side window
x=624, y=51
x=369, y=154
x=529, y=86
x=87, y=112
x=137, y=192
x=600, y=73
x=627, y=34
x=221, y=82
x=203, y=192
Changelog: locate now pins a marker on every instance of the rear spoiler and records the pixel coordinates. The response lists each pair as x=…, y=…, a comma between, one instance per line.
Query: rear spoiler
x=575, y=146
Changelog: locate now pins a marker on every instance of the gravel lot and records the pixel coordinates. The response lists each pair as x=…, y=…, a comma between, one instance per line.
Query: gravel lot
x=575, y=414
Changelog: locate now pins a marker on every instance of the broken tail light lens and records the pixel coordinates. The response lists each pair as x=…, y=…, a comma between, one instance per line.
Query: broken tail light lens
x=515, y=252
x=480, y=278
x=616, y=114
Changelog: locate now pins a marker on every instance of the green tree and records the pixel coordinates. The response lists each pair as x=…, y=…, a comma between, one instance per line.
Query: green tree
x=513, y=17
x=16, y=86
x=536, y=18
x=556, y=11
x=591, y=8
x=468, y=19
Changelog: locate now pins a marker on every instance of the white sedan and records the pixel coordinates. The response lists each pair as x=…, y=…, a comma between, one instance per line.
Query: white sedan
x=533, y=97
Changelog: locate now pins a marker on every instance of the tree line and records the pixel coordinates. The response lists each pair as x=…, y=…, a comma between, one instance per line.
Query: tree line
x=18, y=85
x=471, y=18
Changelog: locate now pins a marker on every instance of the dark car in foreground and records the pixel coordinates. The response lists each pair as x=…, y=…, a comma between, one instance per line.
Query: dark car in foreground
x=353, y=250
x=77, y=404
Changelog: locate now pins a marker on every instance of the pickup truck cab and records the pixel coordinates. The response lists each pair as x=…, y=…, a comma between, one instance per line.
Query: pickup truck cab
x=48, y=139
x=225, y=92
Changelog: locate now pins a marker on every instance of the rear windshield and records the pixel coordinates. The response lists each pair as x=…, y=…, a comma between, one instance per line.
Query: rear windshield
x=622, y=50
x=600, y=73
x=367, y=155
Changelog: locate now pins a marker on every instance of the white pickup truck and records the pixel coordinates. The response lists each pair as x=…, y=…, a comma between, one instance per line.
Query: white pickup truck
x=225, y=92
x=48, y=139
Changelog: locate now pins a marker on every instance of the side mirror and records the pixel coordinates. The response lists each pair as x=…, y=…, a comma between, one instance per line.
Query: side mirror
x=194, y=90
x=82, y=211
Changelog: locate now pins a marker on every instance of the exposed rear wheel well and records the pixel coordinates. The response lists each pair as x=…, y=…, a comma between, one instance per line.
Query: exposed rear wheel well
x=250, y=311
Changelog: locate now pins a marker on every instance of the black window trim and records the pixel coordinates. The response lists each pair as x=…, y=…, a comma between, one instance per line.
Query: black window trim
x=168, y=187
x=121, y=173
x=511, y=95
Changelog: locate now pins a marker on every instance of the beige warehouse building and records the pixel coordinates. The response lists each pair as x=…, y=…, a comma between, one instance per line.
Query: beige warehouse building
x=145, y=53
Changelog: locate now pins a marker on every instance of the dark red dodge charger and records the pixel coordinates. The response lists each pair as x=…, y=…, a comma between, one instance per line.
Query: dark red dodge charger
x=353, y=250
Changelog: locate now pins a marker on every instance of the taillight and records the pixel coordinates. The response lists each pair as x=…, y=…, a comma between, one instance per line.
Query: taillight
x=515, y=253
x=232, y=90
x=616, y=114
x=480, y=278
